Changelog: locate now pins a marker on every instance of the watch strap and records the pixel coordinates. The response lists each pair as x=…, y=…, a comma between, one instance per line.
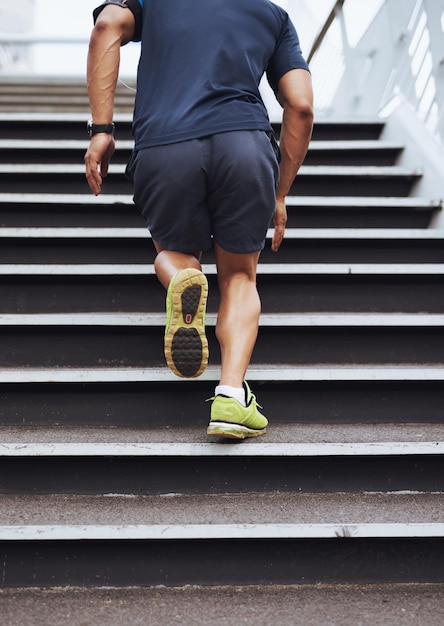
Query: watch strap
x=94, y=129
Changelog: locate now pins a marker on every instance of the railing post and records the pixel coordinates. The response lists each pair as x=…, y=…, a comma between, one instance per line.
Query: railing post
x=349, y=59
x=435, y=24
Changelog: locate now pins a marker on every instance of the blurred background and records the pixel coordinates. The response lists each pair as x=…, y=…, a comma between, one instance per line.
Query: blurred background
x=366, y=57
x=41, y=38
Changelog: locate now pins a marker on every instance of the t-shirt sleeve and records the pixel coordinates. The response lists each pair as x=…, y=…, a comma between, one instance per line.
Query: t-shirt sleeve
x=287, y=55
x=135, y=6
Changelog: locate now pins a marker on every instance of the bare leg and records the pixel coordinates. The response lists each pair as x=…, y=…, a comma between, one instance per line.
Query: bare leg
x=239, y=311
x=168, y=262
x=185, y=342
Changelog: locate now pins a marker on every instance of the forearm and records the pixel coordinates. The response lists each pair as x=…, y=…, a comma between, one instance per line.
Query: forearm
x=295, y=95
x=296, y=130
x=103, y=71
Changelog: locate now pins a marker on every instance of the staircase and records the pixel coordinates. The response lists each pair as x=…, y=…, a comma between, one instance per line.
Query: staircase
x=106, y=474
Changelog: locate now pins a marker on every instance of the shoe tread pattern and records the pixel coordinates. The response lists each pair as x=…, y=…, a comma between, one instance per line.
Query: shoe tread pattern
x=186, y=346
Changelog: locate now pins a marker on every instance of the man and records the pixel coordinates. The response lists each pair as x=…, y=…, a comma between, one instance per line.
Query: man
x=205, y=165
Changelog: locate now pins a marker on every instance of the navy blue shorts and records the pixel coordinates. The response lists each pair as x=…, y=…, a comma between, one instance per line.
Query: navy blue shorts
x=220, y=187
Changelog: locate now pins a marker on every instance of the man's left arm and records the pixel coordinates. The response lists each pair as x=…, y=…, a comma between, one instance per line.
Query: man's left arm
x=295, y=95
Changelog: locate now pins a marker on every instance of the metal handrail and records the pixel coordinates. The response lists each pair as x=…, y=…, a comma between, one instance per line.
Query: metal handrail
x=325, y=28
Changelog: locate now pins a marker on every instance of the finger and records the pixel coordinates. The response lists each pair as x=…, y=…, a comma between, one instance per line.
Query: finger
x=278, y=237
x=94, y=180
x=106, y=158
x=104, y=169
x=92, y=173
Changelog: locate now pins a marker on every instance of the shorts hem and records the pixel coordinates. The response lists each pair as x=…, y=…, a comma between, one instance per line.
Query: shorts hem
x=244, y=250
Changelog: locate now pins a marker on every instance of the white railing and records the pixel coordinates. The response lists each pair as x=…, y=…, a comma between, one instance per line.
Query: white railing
x=400, y=57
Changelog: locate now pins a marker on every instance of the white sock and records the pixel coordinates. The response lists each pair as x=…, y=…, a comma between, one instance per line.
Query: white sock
x=232, y=392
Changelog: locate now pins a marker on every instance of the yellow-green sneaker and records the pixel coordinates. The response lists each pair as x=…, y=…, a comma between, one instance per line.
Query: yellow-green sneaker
x=232, y=420
x=185, y=342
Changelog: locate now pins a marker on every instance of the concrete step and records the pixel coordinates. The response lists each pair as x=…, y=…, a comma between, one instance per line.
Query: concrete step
x=257, y=605
x=288, y=320
x=150, y=521
x=290, y=458
x=56, y=96
x=137, y=341
x=331, y=180
x=312, y=512
x=134, y=245
x=223, y=560
x=72, y=125
x=301, y=234
x=296, y=395
x=332, y=269
x=282, y=441
x=55, y=125
x=51, y=288
x=57, y=103
x=351, y=152
x=83, y=210
x=361, y=212
x=343, y=129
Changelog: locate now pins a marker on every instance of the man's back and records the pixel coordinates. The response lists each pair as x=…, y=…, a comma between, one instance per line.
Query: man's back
x=201, y=64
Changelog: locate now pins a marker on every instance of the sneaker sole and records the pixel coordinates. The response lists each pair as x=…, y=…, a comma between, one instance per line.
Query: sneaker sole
x=232, y=431
x=185, y=344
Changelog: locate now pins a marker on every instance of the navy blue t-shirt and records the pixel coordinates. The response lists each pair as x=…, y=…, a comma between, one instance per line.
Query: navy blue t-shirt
x=201, y=64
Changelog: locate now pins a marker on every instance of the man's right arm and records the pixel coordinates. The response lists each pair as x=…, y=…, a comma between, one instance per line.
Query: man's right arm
x=114, y=27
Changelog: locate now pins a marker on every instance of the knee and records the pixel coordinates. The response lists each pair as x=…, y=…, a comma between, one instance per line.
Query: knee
x=241, y=278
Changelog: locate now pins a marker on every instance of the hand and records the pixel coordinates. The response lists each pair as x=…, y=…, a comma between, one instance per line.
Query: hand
x=97, y=160
x=280, y=220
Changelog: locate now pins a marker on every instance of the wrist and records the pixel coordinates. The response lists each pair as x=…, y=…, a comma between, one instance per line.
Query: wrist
x=94, y=129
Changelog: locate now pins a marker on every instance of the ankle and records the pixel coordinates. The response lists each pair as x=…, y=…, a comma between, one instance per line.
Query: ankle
x=238, y=393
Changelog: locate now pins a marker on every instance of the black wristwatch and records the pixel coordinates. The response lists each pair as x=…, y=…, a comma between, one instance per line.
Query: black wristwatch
x=94, y=129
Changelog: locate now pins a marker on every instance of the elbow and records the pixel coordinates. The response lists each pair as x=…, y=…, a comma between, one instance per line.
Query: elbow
x=306, y=114
x=107, y=29
x=300, y=114
x=301, y=108
x=295, y=94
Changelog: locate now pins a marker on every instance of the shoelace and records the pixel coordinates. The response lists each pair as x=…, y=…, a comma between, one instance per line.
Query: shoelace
x=253, y=399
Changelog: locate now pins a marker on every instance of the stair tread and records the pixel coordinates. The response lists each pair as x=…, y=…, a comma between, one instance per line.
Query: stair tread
x=307, y=604
x=315, y=145
x=354, y=144
x=56, y=117
x=308, y=201
x=305, y=170
x=262, y=372
x=110, y=269
x=267, y=319
x=63, y=232
x=311, y=510
x=68, y=116
x=281, y=440
x=204, y=532
x=362, y=201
